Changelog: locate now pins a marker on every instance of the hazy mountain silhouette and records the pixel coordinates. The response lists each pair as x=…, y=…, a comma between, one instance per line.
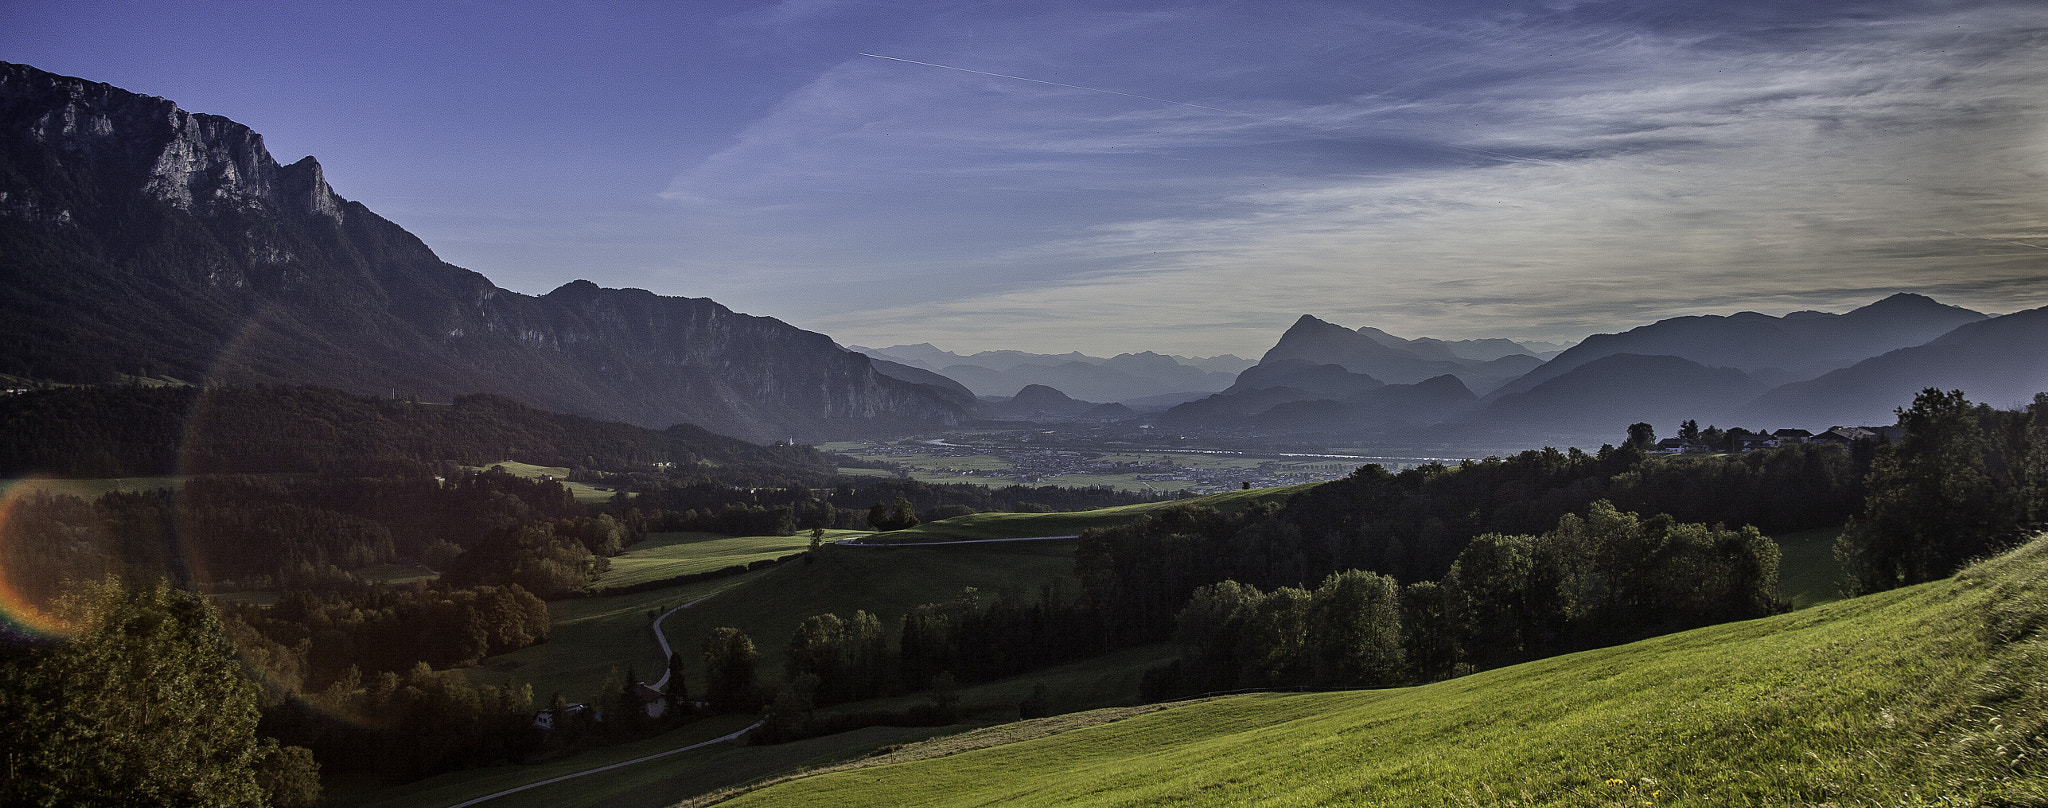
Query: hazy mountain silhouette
x=1772, y=350
x=1124, y=377
x=1391, y=359
x=1595, y=402
x=1999, y=361
x=1041, y=403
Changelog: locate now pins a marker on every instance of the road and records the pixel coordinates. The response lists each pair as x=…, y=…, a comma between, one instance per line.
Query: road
x=553, y=780
x=859, y=543
x=662, y=640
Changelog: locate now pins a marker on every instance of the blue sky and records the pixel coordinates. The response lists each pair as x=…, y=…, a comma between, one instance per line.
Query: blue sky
x=1180, y=177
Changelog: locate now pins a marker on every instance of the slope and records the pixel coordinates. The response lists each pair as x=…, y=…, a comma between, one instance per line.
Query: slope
x=1927, y=695
x=1595, y=402
x=137, y=238
x=1997, y=361
x=1776, y=350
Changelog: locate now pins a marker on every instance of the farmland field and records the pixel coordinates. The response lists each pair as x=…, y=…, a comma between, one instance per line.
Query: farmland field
x=668, y=555
x=584, y=492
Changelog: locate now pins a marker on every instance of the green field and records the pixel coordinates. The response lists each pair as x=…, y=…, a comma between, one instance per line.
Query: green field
x=884, y=581
x=590, y=636
x=94, y=489
x=459, y=786
x=1808, y=573
x=1013, y=525
x=1930, y=695
x=584, y=492
x=667, y=555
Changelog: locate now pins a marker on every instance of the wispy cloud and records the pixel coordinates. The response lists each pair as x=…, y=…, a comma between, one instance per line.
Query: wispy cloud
x=1537, y=176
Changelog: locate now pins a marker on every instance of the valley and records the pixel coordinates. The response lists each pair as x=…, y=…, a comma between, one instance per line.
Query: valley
x=1060, y=457
x=1693, y=497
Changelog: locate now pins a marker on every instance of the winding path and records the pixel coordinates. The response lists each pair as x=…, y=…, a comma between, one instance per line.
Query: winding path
x=661, y=639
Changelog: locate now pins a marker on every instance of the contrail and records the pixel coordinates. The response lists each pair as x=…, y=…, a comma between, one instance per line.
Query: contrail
x=1069, y=86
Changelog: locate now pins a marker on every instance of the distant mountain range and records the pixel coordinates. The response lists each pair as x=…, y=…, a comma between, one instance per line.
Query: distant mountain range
x=1140, y=379
x=1806, y=369
x=137, y=239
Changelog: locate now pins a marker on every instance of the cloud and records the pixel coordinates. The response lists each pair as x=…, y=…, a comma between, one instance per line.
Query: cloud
x=1540, y=176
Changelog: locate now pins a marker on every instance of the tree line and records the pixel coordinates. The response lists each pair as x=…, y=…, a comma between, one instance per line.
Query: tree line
x=133, y=430
x=1965, y=481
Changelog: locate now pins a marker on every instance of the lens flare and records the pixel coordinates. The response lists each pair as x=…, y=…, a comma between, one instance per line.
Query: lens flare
x=19, y=613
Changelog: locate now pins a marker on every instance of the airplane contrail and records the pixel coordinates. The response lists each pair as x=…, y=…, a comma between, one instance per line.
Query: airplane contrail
x=1059, y=84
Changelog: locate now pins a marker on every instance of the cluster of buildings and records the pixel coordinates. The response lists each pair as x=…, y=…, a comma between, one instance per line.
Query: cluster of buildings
x=1743, y=440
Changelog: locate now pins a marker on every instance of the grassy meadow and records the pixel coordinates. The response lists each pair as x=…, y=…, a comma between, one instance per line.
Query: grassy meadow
x=95, y=488
x=884, y=581
x=1015, y=525
x=662, y=556
x=584, y=492
x=588, y=637
x=1929, y=695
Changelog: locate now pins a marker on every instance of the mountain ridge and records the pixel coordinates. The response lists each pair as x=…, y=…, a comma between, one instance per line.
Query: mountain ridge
x=143, y=239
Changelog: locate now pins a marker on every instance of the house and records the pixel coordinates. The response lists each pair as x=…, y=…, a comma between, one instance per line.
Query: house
x=1787, y=437
x=545, y=719
x=1673, y=446
x=1844, y=435
x=653, y=700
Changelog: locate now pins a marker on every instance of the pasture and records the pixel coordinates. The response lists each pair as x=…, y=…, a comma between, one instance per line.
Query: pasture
x=1924, y=695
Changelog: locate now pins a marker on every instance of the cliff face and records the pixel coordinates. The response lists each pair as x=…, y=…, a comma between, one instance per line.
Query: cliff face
x=137, y=238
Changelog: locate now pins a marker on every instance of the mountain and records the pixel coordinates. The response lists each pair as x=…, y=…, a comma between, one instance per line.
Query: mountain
x=137, y=238
x=1480, y=350
x=1773, y=350
x=1318, y=381
x=1595, y=402
x=1999, y=361
x=1124, y=377
x=1041, y=403
x=951, y=390
x=1404, y=406
x=1392, y=359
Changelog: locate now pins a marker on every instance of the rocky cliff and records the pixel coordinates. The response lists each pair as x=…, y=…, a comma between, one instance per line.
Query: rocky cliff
x=140, y=239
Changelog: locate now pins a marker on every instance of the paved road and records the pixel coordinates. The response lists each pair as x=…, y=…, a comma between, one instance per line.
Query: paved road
x=859, y=543
x=663, y=638
x=552, y=780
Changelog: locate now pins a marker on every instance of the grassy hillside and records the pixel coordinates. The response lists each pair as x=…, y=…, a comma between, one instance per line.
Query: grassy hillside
x=1012, y=525
x=1110, y=680
x=1922, y=696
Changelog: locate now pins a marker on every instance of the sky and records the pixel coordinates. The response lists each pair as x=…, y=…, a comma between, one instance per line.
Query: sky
x=1185, y=177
